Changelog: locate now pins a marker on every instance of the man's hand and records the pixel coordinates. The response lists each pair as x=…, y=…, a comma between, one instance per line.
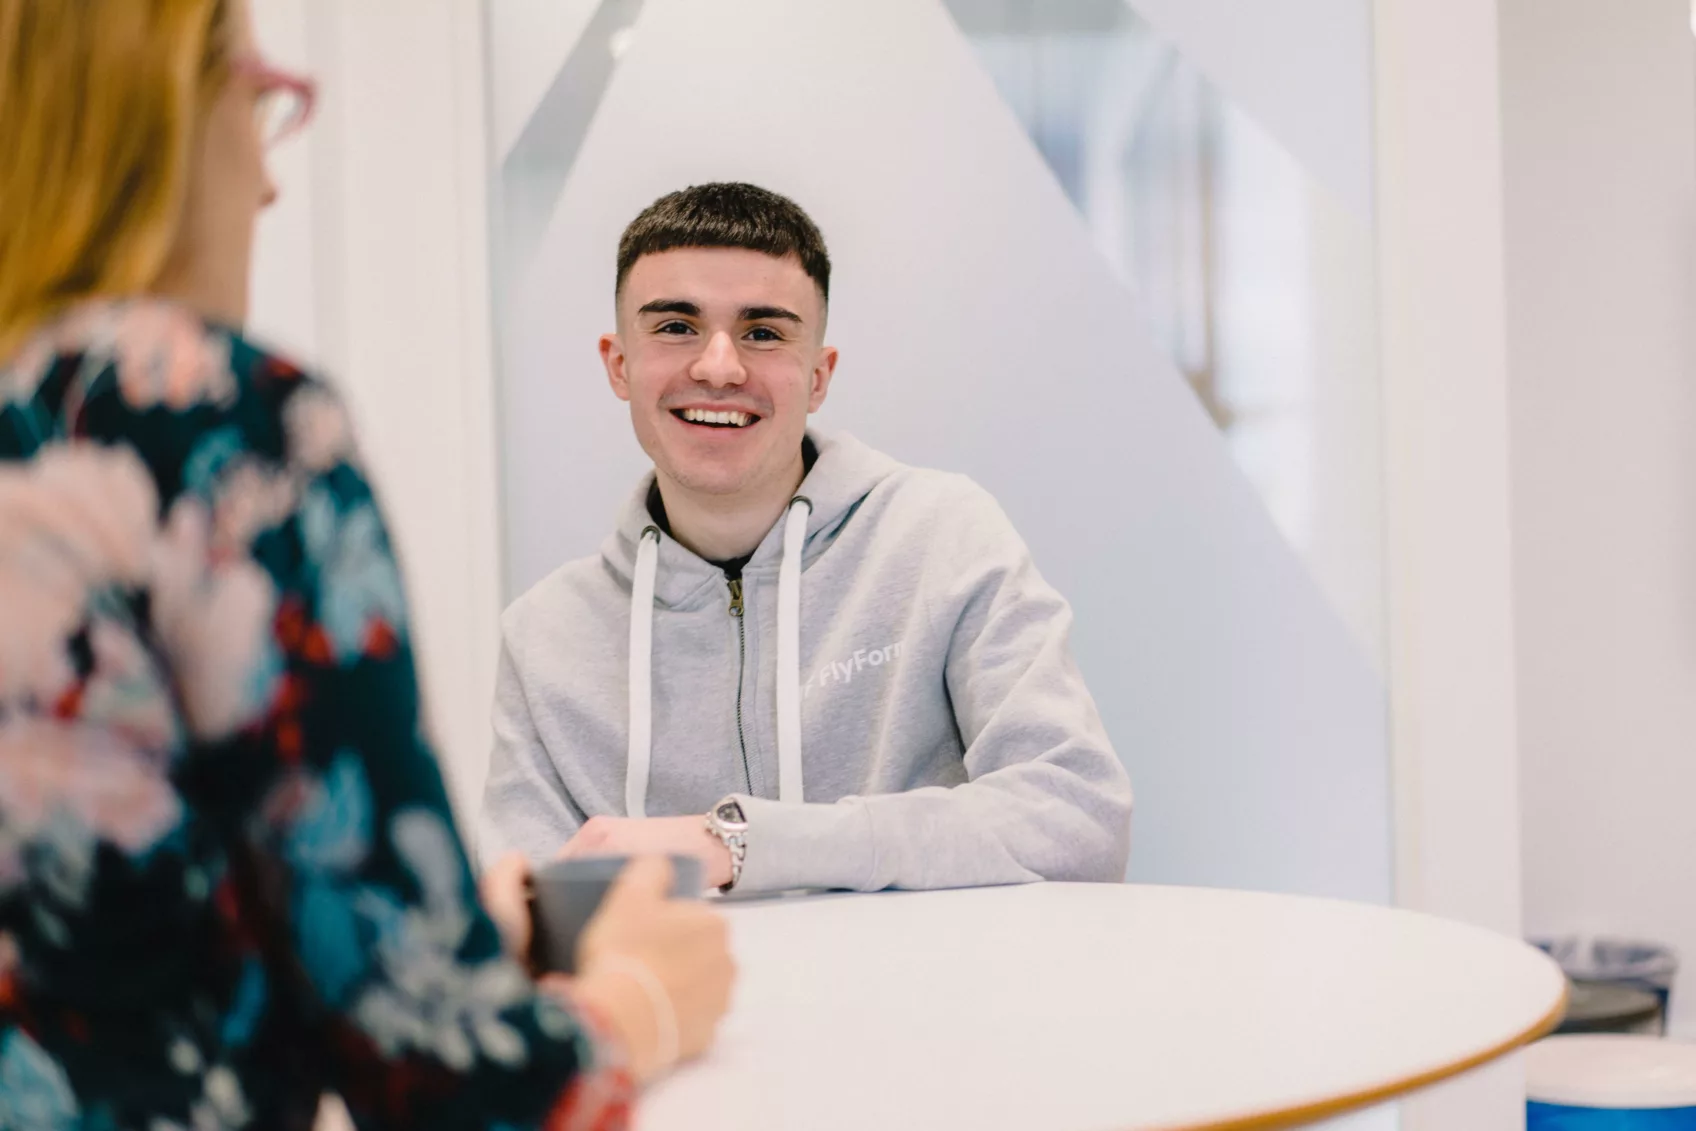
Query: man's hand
x=653, y=836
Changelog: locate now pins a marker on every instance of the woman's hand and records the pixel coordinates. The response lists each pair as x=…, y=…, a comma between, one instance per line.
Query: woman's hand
x=658, y=969
x=505, y=889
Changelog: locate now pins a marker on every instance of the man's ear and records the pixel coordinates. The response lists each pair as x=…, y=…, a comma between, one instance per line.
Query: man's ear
x=824, y=368
x=612, y=356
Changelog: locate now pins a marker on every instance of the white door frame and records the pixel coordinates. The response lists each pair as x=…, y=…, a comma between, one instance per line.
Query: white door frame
x=391, y=300
x=1455, y=768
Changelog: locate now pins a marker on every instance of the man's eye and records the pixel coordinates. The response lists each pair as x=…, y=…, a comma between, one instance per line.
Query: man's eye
x=764, y=334
x=673, y=327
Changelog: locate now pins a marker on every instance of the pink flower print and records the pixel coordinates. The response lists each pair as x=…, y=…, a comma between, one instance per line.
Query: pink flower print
x=163, y=353
x=127, y=693
x=69, y=332
x=320, y=436
x=34, y=659
x=213, y=612
x=250, y=501
x=77, y=519
x=166, y=354
x=90, y=506
x=49, y=766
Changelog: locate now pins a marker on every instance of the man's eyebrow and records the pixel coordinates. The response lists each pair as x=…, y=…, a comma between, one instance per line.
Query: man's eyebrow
x=671, y=306
x=764, y=313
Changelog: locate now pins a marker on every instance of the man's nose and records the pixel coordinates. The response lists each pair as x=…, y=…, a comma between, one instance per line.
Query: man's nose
x=719, y=365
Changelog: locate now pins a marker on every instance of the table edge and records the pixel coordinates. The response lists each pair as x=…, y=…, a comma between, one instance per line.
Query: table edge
x=1371, y=1097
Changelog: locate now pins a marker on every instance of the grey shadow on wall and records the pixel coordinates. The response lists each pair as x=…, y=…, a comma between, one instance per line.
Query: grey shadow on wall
x=534, y=171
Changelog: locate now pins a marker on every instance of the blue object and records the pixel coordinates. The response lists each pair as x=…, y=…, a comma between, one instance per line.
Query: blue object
x=1558, y=1117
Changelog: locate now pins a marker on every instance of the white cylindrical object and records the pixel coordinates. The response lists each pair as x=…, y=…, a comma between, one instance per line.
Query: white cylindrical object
x=1611, y=1071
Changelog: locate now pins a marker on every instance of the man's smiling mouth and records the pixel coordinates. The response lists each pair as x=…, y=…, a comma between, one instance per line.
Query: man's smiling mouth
x=708, y=418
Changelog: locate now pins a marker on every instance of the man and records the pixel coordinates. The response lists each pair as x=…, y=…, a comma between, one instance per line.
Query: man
x=797, y=659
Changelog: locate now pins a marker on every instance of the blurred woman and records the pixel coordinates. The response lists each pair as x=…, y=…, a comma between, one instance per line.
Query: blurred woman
x=227, y=865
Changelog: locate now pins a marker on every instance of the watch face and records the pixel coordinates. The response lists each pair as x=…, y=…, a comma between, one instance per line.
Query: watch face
x=729, y=812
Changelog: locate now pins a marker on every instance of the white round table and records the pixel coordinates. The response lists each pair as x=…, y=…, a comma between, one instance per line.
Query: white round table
x=1083, y=1007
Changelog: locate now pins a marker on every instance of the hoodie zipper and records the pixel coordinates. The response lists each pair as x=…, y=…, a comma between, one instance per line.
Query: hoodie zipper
x=736, y=610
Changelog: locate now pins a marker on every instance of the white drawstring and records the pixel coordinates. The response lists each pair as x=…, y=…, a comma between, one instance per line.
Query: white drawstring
x=789, y=776
x=641, y=674
x=789, y=780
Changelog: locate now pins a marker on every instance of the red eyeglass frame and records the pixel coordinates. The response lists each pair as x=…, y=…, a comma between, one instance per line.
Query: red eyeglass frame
x=270, y=78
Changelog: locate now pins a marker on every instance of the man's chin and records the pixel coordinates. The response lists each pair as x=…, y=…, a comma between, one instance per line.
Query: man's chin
x=732, y=470
x=710, y=477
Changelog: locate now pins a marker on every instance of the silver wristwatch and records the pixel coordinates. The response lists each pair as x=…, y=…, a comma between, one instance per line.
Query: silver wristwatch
x=728, y=824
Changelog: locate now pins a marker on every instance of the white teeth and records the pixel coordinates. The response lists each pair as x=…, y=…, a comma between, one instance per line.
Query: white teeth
x=703, y=416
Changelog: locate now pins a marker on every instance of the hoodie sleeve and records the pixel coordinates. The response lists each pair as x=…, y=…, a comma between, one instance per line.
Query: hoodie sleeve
x=1046, y=796
x=526, y=807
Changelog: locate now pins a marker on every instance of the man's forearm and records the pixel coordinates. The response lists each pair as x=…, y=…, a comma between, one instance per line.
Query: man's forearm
x=1033, y=821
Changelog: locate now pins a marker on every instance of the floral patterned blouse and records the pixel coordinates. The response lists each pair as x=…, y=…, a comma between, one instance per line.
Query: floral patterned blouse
x=228, y=872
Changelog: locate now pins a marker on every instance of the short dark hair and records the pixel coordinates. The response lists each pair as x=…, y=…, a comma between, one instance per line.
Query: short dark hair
x=726, y=215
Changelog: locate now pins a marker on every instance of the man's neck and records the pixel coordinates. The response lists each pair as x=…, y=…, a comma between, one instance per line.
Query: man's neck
x=722, y=528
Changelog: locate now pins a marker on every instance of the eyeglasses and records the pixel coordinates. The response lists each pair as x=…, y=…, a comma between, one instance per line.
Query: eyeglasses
x=285, y=101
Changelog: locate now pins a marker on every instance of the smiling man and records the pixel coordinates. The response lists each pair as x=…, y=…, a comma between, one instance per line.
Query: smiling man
x=797, y=659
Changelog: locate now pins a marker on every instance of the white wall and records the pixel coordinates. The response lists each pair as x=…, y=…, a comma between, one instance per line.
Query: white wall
x=981, y=332
x=1302, y=68
x=284, y=300
x=1599, y=104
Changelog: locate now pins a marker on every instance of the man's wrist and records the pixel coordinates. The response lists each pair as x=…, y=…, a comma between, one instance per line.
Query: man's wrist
x=727, y=825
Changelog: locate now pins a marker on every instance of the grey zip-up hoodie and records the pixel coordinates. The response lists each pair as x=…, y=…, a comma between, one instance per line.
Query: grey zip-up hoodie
x=924, y=702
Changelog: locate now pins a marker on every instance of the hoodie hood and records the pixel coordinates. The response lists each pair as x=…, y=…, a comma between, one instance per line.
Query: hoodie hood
x=843, y=475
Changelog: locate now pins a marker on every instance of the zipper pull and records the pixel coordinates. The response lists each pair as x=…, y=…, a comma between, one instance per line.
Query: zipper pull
x=736, y=597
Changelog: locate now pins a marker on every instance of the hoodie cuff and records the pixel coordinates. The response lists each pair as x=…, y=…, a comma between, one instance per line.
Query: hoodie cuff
x=807, y=846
